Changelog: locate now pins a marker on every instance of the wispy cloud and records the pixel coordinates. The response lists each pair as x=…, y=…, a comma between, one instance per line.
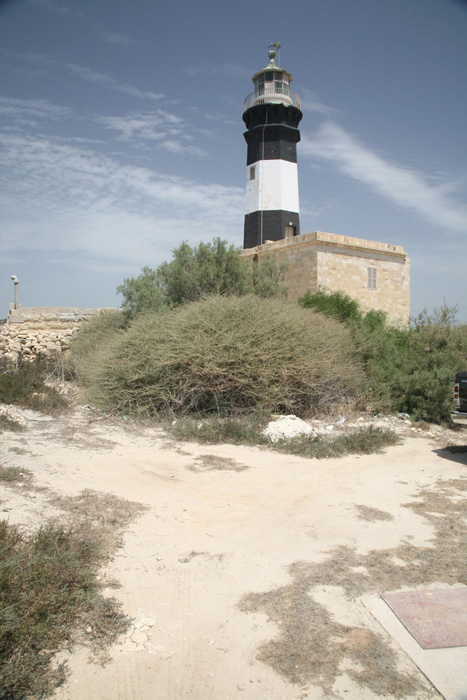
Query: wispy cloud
x=120, y=39
x=58, y=8
x=62, y=197
x=168, y=130
x=50, y=68
x=92, y=76
x=17, y=108
x=405, y=187
x=232, y=70
x=149, y=126
x=312, y=103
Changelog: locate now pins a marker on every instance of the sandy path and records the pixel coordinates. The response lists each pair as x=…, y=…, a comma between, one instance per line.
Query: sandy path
x=223, y=522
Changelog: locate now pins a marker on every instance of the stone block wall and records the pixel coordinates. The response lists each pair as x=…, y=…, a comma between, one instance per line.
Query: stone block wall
x=32, y=331
x=341, y=263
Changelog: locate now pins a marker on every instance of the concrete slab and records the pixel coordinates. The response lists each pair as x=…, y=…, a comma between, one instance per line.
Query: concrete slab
x=445, y=668
x=437, y=618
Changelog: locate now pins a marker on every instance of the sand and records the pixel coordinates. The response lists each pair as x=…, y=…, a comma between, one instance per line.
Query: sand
x=243, y=574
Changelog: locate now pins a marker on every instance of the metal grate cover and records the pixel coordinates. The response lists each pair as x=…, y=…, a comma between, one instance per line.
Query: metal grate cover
x=435, y=618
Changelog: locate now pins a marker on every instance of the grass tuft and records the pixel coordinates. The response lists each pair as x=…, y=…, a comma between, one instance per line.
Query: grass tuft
x=214, y=430
x=7, y=423
x=366, y=441
x=13, y=474
x=25, y=385
x=248, y=431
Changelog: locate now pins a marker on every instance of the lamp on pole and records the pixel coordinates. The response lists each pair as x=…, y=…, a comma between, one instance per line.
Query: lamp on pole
x=15, y=280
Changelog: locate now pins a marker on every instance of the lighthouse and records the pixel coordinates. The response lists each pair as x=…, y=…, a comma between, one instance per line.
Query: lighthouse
x=271, y=115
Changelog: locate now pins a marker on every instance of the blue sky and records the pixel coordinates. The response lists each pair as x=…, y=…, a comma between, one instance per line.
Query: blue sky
x=121, y=134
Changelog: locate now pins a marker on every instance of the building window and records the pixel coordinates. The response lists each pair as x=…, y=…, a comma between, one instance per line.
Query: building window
x=252, y=172
x=372, y=278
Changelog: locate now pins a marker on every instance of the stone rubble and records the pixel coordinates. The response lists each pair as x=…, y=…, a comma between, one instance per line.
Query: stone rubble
x=31, y=331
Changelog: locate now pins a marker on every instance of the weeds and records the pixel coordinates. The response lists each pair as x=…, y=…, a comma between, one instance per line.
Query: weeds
x=47, y=583
x=364, y=441
x=25, y=385
x=50, y=591
x=12, y=474
x=214, y=430
x=248, y=431
x=7, y=423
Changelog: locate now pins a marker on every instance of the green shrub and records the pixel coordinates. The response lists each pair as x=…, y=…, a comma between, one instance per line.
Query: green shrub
x=408, y=369
x=25, y=385
x=336, y=305
x=227, y=355
x=193, y=273
x=437, y=349
x=413, y=370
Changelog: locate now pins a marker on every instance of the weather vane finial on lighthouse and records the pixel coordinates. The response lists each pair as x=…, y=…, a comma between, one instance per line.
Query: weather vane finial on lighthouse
x=271, y=47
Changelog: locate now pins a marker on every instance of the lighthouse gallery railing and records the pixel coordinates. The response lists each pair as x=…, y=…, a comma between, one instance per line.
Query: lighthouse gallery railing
x=273, y=96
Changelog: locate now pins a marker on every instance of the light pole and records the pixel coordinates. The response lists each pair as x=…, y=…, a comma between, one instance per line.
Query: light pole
x=15, y=280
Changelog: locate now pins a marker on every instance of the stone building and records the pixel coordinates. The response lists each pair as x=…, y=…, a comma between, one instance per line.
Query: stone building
x=376, y=274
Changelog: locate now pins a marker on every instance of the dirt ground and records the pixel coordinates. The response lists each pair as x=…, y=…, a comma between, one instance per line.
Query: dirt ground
x=243, y=569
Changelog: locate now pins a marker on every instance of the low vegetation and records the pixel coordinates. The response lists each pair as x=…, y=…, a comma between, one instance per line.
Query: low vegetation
x=194, y=273
x=244, y=430
x=25, y=384
x=364, y=441
x=408, y=369
x=249, y=431
x=232, y=353
x=48, y=584
x=13, y=474
x=92, y=339
x=228, y=356
x=7, y=423
x=52, y=588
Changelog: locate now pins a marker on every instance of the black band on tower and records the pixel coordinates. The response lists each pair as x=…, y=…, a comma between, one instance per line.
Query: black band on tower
x=272, y=114
x=273, y=142
x=269, y=225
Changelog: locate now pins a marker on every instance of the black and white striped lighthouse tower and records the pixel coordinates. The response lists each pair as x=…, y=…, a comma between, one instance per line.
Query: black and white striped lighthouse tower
x=272, y=114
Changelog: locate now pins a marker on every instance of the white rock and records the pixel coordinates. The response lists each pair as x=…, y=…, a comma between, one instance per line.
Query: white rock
x=287, y=427
x=139, y=637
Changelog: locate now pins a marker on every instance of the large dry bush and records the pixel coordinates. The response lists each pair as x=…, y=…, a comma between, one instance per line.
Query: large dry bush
x=93, y=336
x=227, y=355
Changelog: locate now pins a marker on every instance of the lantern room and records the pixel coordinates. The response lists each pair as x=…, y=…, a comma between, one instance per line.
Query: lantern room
x=272, y=86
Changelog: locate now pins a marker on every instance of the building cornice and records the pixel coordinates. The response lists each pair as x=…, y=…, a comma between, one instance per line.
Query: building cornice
x=332, y=240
